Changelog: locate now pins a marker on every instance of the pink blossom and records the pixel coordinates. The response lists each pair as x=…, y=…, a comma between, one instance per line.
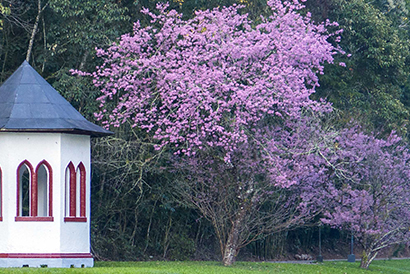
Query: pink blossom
x=204, y=80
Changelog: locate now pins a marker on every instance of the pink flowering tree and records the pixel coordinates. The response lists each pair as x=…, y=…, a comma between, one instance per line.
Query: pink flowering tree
x=226, y=96
x=208, y=81
x=248, y=197
x=371, y=196
x=360, y=183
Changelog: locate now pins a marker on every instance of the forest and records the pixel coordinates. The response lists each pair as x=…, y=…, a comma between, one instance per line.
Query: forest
x=182, y=182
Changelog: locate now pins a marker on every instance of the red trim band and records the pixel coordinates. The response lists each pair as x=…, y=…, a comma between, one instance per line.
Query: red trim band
x=33, y=219
x=75, y=219
x=46, y=255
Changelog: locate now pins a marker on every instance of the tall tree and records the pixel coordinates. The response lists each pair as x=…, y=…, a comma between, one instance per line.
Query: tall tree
x=370, y=87
x=40, y=9
x=87, y=24
x=75, y=30
x=371, y=199
x=215, y=83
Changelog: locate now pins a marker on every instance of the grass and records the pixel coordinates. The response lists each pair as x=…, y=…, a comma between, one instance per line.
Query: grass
x=389, y=267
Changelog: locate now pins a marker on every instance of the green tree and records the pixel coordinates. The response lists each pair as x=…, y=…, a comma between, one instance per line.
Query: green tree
x=370, y=87
x=77, y=28
x=4, y=11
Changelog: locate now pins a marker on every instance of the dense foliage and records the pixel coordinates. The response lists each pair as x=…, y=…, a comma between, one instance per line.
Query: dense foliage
x=210, y=84
x=207, y=81
x=370, y=196
x=373, y=85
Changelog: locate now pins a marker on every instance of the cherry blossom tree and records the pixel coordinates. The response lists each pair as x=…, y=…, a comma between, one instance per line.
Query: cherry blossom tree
x=242, y=200
x=359, y=182
x=209, y=80
x=372, y=198
x=229, y=97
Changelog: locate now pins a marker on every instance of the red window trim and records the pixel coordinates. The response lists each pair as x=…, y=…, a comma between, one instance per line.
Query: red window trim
x=50, y=187
x=34, y=195
x=75, y=219
x=73, y=193
x=72, y=190
x=33, y=219
x=83, y=177
x=32, y=179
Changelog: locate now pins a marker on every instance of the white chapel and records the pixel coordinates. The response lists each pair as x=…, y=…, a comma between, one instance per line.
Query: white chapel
x=44, y=175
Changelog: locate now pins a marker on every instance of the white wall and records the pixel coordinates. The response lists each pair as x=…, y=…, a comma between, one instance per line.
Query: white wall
x=75, y=237
x=42, y=237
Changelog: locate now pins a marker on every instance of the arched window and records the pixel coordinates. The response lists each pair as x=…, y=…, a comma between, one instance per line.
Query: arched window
x=82, y=188
x=70, y=191
x=75, y=193
x=25, y=179
x=44, y=186
x=34, y=192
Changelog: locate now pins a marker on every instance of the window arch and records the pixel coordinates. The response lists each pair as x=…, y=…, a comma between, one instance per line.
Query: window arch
x=34, y=192
x=75, y=193
x=82, y=188
x=44, y=189
x=25, y=179
x=70, y=186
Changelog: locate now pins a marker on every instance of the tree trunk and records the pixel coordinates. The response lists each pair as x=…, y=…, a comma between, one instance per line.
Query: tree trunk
x=44, y=45
x=83, y=60
x=232, y=244
x=35, y=27
x=367, y=259
x=33, y=33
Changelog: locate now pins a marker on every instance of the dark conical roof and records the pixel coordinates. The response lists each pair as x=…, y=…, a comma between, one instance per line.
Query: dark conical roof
x=28, y=103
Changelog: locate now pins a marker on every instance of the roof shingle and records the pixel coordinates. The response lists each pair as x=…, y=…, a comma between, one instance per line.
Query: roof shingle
x=29, y=103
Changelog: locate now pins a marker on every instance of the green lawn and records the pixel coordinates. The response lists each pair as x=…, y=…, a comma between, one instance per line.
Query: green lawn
x=389, y=267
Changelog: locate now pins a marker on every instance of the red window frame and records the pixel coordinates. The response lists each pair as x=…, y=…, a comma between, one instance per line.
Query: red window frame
x=33, y=211
x=50, y=187
x=72, y=192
